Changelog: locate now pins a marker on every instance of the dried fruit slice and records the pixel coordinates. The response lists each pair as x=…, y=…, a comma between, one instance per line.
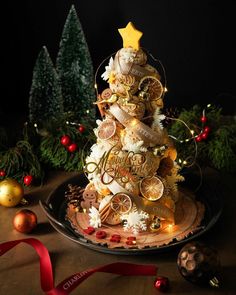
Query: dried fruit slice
x=151, y=88
x=151, y=188
x=121, y=203
x=107, y=129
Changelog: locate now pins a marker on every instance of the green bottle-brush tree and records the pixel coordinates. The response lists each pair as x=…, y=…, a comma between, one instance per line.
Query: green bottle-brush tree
x=74, y=66
x=45, y=101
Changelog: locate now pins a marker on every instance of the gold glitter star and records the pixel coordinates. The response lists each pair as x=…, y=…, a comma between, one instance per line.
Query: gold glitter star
x=130, y=36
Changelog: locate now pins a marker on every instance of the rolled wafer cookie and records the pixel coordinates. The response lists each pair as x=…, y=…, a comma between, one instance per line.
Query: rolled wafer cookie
x=149, y=136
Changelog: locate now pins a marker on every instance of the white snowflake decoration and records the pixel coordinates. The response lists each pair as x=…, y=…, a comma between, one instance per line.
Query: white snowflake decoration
x=95, y=219
x=108, y=70
x=135, y=147
x=158, y=117
x=135, y=220
x=173, y=179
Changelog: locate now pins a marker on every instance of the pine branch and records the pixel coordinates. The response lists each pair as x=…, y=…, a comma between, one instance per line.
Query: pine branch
x=219, y=150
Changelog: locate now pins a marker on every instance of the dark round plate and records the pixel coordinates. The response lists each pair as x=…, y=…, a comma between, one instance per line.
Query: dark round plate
x=55, y=209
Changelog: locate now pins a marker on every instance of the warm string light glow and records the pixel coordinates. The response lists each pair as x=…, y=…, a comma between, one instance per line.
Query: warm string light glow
x=170, y=228
x=97, y=70
x=162, y=67
x=185, y=162
x=194, y=137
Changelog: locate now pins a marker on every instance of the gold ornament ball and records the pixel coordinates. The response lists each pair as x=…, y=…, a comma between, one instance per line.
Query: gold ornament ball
x=25, y=221
x=11, y=192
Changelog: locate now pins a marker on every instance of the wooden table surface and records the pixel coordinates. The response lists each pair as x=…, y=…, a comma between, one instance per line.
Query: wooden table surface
x=19, y=268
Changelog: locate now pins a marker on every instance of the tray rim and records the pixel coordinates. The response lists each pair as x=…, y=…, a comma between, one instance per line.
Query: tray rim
x=70, y=234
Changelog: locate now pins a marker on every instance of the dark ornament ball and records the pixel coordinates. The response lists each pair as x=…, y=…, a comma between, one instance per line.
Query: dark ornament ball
x=198, y=263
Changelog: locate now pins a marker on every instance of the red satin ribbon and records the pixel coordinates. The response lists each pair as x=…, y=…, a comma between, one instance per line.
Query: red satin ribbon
x=70, y=283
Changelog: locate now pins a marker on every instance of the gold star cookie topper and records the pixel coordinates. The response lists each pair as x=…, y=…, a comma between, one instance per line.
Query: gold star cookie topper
x=130, y=36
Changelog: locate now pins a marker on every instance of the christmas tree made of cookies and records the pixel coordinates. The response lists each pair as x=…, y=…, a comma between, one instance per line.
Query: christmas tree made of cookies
x=131, y=199
x=131, y=169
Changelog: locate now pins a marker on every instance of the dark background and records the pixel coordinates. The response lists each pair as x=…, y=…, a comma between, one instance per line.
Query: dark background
x=193, y=39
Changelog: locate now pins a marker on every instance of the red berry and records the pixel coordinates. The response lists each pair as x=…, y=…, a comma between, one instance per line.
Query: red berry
x=131, y=241
x=2, y=173
x=65, y=140
x=204, y=135
x=28, y=179
x=90, y=230
x=161, y=284
x=101, y=234
x=198, y=138
x=203, y=119
x=131, y=238
x=72, y=147
x=81, y=128
x=115, y=238
x=207, y=129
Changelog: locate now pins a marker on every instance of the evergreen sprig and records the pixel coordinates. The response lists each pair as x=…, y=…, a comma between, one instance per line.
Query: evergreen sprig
x=219, y=149
x=20, y=160
x=55, y=155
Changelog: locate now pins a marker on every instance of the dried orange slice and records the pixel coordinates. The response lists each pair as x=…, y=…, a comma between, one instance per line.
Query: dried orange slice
x=121, y=203
x=151, y=188
x=151, y=87
x=107, y=129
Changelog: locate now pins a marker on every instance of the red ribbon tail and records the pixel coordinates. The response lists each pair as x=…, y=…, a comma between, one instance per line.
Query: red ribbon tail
x=69, y=284
x=119, y=268
x=46, y=274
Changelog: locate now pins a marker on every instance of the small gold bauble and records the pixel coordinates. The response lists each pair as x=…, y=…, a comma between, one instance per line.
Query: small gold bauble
x=155, y=224
x=11, y=192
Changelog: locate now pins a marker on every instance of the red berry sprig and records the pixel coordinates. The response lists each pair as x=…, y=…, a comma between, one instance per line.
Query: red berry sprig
x=81, y=128
x=28, y=180
x=2, y=173
x=65, y=140
x=203, y=135
x=203, y=119
x=72, y=147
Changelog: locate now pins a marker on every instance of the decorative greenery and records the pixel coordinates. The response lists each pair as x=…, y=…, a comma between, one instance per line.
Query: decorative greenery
x=219, y=149
x=45, y=95
x=59, y=102
x=73, y=87
x=20, y=160
x=74, y=66
x=54, y=154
